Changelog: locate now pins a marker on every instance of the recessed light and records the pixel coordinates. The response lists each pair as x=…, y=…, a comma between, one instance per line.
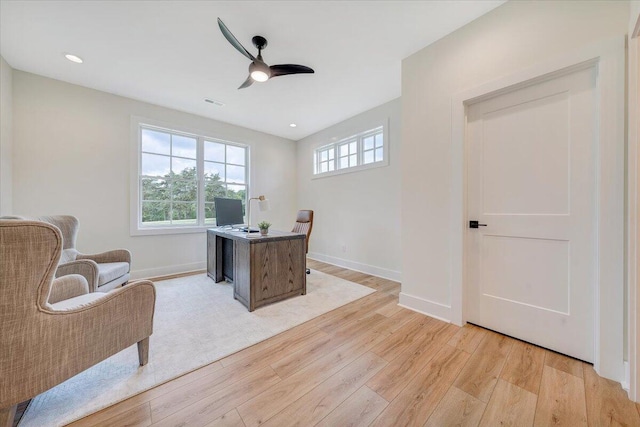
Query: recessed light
x=214, y=102
x=73, y=58
x=292, y=125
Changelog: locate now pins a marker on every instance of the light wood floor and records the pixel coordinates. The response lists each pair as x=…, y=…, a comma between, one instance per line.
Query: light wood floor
x=374, y=363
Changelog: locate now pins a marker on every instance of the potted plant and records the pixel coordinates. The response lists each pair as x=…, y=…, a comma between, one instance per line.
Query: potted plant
x=264, y=227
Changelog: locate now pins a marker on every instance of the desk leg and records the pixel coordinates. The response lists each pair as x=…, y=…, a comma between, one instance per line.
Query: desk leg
x=218, y=262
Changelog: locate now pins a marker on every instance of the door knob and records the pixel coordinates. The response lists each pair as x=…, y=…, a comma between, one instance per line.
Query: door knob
x=476, y=224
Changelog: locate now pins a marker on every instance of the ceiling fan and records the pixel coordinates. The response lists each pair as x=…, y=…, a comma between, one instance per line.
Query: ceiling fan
x=259, y=71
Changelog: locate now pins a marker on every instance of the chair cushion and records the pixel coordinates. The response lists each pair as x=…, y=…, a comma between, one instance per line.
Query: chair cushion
x=68, y=255
x=109, y=271
x=77, y=302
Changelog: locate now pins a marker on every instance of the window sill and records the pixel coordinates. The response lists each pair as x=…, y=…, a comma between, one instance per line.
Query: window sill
x=154, y=231
x=375, y=165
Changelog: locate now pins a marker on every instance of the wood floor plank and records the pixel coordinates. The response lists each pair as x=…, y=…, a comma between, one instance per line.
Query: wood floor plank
x=211, y=396
x=524, y=366
x=400, y=319
x=140, y=416
x=320, y=401
x=364, y=311
x=167, y=404
x=416, y=402
x=295, y=361
x=481, y=374
x=457, y=408
x=381, y=285
x=277, y=352
x=468, y=338
x=390, y=381
x=355, y=328
x=564, y=363
x=359, y=410
x=425, y=330
x=230, y=419
x=390, y=308
x=266, y=405
x=292, y=362
x=162, y=390
x=213, y=406
x=510, y=405
x=403, y=338
x=267, y=345
x=341, y=312
x=607, y=404
x=561, y=400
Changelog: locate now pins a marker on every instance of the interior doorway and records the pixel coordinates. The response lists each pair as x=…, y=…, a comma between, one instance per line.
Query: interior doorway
x=531, y=190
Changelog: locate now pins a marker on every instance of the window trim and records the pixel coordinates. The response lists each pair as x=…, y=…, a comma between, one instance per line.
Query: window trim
x=347, y=137
x=136, y=228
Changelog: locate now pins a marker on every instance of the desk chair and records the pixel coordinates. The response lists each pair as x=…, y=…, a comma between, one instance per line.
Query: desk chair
x=303, y=225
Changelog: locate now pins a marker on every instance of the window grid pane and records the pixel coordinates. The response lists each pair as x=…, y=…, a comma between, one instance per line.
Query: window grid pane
x=379, y=141
x=169, y=178
x=155, y=142
x=368, y=157
x=363, y=149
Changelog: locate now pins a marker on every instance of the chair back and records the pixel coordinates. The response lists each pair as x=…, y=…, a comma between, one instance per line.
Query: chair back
x=68, y=226
x=29, y=254
x=304, y=224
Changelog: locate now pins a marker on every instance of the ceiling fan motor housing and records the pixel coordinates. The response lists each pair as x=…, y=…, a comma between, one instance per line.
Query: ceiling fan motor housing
x=259, y=42
x=257, y=67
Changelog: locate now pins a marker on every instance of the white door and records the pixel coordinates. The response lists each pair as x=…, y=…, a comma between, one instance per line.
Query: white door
x=531, y=179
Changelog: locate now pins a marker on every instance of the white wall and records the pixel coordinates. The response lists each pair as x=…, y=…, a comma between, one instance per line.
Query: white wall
x=6, y=136
x=71, y=156
x=508, y=39
x=358, y=211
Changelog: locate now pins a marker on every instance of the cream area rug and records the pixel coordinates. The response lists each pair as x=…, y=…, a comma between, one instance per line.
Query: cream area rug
x=196, y=322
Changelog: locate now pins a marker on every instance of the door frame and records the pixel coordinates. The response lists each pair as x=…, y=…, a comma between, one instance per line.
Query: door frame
x=609, y=59
x=632, y=374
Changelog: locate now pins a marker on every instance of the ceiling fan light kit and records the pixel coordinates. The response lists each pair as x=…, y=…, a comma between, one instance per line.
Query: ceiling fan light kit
x=259, y=71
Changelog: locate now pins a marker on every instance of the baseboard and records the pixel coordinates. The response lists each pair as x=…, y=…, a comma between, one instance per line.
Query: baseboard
x=426, y=307
x=627, y=377
x=357, y=266
x=168, y=270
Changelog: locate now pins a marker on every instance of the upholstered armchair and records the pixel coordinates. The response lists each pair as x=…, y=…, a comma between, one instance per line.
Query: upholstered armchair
x=54, y=328
x=103, y=271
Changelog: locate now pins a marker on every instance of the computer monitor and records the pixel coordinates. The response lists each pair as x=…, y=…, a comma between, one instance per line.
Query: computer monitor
x=228, y=211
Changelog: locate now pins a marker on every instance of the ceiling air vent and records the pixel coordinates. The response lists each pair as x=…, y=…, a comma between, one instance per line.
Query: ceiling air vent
x=214, y=102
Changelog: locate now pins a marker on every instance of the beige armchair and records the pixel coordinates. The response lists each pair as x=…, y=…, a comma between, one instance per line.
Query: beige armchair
x=52, y=329
x=104, y=271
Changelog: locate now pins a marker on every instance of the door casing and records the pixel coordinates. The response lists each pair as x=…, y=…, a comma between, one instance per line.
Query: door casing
x=609, y=59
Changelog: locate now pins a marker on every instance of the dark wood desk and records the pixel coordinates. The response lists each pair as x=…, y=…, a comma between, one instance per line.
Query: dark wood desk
x=265, y=268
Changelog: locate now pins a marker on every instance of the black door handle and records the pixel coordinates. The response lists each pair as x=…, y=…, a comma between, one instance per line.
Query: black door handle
x=476, y=224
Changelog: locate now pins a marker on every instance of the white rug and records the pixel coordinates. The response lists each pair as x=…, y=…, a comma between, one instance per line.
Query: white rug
x=196, y=322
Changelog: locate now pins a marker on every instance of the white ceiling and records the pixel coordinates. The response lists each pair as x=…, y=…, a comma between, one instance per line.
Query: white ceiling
x=172, y=53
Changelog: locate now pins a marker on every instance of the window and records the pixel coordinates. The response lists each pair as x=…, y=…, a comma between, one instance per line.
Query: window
x=325, y=159
x=225, y=175
x=361, y=151
x=179, y=175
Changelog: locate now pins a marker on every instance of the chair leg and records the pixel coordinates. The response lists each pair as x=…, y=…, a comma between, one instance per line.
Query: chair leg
x=7, y=415
x=143, y=351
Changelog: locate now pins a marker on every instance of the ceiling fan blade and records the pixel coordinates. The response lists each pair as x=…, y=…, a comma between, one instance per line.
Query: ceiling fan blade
x=246, y=83
x=284, y=69
x=234, y=41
